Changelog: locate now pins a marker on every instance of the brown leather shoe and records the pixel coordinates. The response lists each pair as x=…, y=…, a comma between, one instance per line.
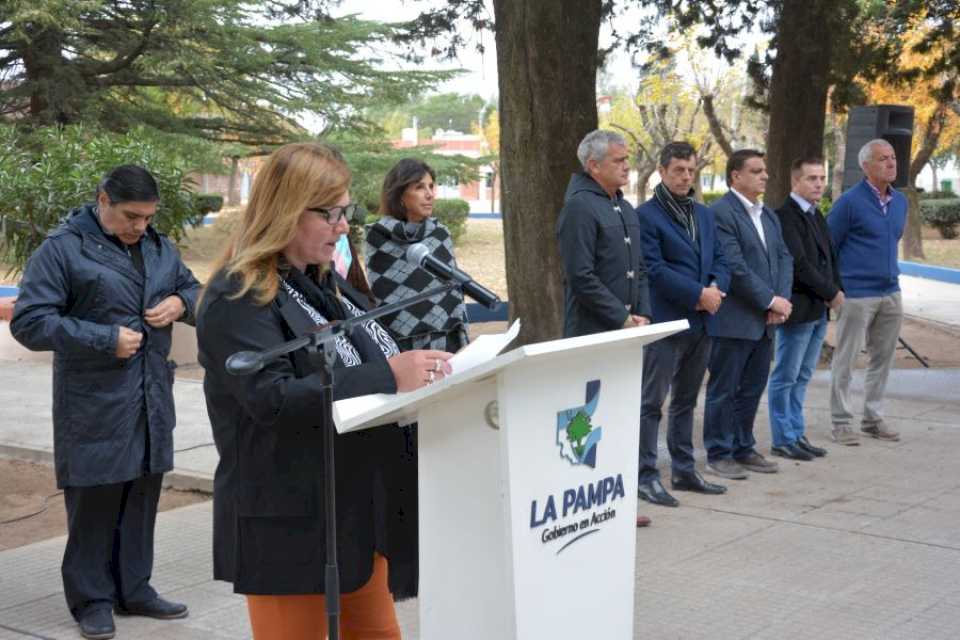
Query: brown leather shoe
x=757, y=463
x=880, y=431
x=643, y=521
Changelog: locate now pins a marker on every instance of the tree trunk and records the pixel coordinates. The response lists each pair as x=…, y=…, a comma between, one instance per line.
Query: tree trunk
x=545, y=49
x=643, y=179
x=798, y=88
x=233, y=187
x=933, y=170
x=840, y=135
x=912, y=234
x=716, y=127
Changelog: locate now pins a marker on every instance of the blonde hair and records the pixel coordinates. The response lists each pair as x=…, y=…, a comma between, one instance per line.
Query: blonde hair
x=294, y=177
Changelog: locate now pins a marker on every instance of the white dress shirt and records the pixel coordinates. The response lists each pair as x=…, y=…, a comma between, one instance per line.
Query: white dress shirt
x=805, y=206
x=755, y=209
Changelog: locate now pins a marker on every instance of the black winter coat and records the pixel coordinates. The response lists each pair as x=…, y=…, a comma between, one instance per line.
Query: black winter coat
x=77, y=288
x=268, y=533
x=816, y=272
x=601, y=251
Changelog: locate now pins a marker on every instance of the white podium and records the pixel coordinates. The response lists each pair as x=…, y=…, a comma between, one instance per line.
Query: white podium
x=527, y=529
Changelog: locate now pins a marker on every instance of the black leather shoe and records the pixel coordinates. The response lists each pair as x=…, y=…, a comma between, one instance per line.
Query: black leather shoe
x=693, y=481
x=791, y=451
x=157, y=608
x=804, y=444
x=654, y=492
x=97, y=625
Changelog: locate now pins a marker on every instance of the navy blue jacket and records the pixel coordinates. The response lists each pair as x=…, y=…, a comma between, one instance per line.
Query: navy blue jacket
x=677, y=269
x=77, y=289
x=757, y=274
x=605, y=277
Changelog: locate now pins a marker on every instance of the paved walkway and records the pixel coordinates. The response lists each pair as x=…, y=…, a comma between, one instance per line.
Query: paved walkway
x=862, y=544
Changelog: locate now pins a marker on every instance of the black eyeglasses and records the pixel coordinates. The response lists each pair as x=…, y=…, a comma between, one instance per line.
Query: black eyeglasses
x=333, y=215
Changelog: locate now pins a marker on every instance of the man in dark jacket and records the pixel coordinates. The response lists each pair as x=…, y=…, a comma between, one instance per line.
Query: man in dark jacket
x=688, y=277
x=102, y=292
x=816, y=287
x=605, y=277
x=761, y=275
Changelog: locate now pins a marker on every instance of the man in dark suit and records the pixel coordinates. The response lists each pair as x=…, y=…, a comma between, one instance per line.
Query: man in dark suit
x=688, y=277
x=761, y=276
x=816, y=288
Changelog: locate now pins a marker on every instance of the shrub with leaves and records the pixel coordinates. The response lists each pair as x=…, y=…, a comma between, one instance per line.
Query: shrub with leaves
x=942, y=215
x=49, y=171
x=452, y=213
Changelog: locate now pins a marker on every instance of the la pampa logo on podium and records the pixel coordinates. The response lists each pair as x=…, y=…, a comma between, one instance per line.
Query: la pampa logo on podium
x=577, y=437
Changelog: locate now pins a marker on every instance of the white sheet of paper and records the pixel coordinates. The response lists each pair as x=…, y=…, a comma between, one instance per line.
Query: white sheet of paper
x=483, y=348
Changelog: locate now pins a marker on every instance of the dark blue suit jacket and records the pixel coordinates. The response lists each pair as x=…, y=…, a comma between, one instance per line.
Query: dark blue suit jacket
x=757, y=274
x=677, y=270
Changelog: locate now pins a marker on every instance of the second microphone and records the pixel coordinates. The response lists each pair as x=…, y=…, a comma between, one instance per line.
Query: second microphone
x=419, y=255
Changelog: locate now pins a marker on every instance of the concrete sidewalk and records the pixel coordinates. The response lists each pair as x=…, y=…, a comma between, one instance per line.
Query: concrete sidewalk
x=862, y=544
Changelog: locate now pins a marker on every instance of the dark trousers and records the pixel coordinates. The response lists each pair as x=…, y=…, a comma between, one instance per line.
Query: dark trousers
x=109, y=554
x=738, y=375
x=675, y=364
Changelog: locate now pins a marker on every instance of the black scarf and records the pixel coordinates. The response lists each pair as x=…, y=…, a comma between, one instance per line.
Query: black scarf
x=680, y=209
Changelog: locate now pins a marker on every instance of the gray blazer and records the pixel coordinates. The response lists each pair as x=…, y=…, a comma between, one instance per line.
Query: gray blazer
x=757, y=274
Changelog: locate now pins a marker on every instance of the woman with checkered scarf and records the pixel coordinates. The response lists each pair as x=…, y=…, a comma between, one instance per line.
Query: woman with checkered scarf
x=406, y=205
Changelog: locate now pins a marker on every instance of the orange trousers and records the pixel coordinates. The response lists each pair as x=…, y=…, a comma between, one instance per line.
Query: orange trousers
x=365, y=614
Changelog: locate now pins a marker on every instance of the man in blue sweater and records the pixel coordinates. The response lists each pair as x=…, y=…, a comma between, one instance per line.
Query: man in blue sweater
x=866, y=224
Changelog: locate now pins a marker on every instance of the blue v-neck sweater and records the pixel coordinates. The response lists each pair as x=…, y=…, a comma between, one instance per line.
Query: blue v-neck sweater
x=866, y=240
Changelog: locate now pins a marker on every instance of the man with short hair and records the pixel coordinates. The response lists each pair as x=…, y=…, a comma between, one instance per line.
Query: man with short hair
x=102, y=292
x=761, y=275
x=816, y=289
x=688, y=277
x=866, y=224
x=605, y=277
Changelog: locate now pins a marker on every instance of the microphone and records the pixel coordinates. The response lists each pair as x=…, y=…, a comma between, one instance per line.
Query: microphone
x=244, y=363
x=419, y=255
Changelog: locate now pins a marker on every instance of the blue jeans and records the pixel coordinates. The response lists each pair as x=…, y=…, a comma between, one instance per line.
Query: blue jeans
x=738, y=375
x=797, y=351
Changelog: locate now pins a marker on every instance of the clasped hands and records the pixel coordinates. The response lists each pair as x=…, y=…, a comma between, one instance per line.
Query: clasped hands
x=710, y=299
x=166, y=312
x=779, y=310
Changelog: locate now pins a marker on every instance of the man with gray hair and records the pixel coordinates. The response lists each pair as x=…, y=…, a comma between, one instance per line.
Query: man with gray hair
x=605, y=277
x=866, y=224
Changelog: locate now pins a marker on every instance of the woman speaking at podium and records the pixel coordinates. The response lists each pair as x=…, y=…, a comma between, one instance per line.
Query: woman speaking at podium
x=273, y=284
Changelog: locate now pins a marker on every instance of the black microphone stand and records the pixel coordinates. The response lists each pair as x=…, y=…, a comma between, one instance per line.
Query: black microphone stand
x=248, y=362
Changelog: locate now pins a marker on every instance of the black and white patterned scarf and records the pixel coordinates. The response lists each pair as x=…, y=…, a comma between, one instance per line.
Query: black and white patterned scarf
x=680, y=209
x=316, y=302
x=437, y=323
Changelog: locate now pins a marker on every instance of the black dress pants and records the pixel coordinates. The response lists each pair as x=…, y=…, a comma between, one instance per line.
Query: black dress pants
x=109, y=554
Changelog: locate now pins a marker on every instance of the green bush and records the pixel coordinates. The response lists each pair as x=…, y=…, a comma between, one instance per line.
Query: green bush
x=709, y=197
x=937, y=195
x=209, y=202
x=47, y=172
x=942, y=215
x=452, y=213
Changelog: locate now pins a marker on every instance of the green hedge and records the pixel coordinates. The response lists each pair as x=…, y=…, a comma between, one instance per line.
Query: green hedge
x=47, y=172
x=942, y=215
x=452, y=213
x=709, y=197
x=937, y=195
